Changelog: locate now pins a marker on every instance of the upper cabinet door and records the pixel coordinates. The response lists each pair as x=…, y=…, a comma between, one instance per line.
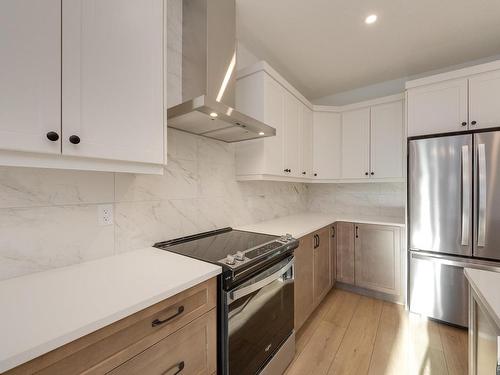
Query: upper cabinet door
x=387, y=140
x=356, y=144
x=112, y=85
x=438, y=108
x=274, y=102
x=30, y=75
x=306, y=142
x=327, y=137
x=293, y=108
x=484, y=91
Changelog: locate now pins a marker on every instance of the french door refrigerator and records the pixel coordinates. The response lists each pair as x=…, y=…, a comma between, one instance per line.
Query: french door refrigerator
x=454, y=219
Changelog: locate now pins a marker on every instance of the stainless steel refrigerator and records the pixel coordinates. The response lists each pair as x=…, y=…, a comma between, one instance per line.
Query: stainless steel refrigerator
x=454, y=219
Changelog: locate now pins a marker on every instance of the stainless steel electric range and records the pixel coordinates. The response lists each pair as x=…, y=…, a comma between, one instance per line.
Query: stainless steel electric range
x=256, y=297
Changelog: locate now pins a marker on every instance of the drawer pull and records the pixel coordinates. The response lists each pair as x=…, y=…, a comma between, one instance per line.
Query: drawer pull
x=158, y=322
x=179, y=367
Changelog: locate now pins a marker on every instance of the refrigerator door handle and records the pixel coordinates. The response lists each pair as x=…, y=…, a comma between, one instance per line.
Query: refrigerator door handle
x=481, y=221
x=466, y=186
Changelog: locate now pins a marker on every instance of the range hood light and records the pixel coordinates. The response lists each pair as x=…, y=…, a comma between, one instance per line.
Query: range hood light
x=213, y=114
x=262, y=133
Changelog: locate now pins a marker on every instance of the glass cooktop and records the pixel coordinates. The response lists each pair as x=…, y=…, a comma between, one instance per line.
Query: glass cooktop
x=216, y=245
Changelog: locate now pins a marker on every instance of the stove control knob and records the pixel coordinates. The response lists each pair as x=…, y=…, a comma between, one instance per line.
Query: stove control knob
x=240, y=256
x=230, y=260
x=289, y=237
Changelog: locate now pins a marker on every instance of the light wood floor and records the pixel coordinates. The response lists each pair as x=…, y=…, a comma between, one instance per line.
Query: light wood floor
x=356, y=335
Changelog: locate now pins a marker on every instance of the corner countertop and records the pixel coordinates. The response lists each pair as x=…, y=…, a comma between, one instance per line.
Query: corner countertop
x=43, y=311
x=304, y=223
x=485, y=284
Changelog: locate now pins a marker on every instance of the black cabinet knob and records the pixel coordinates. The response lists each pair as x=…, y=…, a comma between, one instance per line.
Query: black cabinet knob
x=464, y=123
x=473, y=122
x=288, y=170
x=74, y=139
x=303, y=172
x=315, y=174
x=366, y=173
x=52, y=136
x=372, y=173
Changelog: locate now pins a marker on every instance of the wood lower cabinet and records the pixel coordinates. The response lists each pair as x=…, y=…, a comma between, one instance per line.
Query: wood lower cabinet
x=333, y=254
x=304, y=276
x=178, y=329
x=322, y=274
x=377, y=258
x=345, y=252
x=190, y=350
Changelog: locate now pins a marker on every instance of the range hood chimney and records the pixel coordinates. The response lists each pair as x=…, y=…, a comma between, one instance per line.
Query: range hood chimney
x=208, y=75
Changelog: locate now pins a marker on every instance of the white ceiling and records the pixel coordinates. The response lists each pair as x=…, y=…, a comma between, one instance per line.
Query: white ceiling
x=324, y=47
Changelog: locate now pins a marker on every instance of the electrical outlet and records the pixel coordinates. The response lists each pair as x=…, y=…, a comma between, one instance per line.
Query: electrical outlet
x=105, y=214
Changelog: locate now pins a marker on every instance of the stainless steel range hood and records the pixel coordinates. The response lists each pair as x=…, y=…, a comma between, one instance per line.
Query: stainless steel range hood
x=208, y=76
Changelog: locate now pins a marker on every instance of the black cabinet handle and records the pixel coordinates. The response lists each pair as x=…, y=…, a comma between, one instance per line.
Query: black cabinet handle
x=464, y=123
x=74, y=139
x=333, y=232
x=158, y=322
x=316, y=241
x=52, y=136
x=179, y=366
x=473, y=122
x=319, y=239
x=357, y=231
x=288, y=170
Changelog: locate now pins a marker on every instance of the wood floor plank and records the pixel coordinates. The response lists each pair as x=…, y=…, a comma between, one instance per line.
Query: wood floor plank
x=356, y=335
x=455, y=343
x=353, y=356
x=319, y=352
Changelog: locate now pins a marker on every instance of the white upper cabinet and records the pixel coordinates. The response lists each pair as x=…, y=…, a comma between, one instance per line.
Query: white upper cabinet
x=306, y=142
x=484, y=94
x=261, y=97
x=327, y=137
x=30, y=75
x=112, y=81
x=386, y=134
x=437, y=108
x=293, y=114
x=356, y=144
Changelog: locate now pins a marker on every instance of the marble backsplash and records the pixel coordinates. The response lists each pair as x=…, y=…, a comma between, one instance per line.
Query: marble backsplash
x=48, y=218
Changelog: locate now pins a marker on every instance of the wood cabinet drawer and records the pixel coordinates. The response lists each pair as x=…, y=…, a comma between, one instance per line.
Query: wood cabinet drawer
x=191, y=350
x=107, y=348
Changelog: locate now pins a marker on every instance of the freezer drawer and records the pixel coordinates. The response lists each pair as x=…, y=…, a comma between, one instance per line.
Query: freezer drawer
x=438, y=288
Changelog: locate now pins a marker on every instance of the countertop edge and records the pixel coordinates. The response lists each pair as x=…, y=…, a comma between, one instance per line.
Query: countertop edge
x=484, y=302
x=37, y=351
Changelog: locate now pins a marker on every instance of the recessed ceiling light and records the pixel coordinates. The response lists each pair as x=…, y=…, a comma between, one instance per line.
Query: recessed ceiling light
x=371, y=19
x=261, y=133
x=213, y=114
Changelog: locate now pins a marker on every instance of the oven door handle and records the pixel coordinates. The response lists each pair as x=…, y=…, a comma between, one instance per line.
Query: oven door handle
x=239, y=293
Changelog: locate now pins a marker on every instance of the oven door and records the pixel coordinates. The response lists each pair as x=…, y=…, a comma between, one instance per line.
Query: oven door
x=260, y=317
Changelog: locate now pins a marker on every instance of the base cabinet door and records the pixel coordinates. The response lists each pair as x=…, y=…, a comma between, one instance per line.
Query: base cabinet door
x=322, y=274
x=345, y=252
x=304, y=286
x=377, y=258
x=333, y=254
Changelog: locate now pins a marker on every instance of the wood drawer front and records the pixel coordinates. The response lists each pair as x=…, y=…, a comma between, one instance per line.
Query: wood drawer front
x=189, y=351
x=107, y=348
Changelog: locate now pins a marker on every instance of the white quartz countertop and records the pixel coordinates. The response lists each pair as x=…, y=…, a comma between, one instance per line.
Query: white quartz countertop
x=301, y=224
x=486, y=285
x=43, y=311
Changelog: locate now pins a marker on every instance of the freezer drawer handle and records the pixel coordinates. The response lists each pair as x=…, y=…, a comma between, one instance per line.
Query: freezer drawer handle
x=481, y=222
x=465, y=196
x=488, y=266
